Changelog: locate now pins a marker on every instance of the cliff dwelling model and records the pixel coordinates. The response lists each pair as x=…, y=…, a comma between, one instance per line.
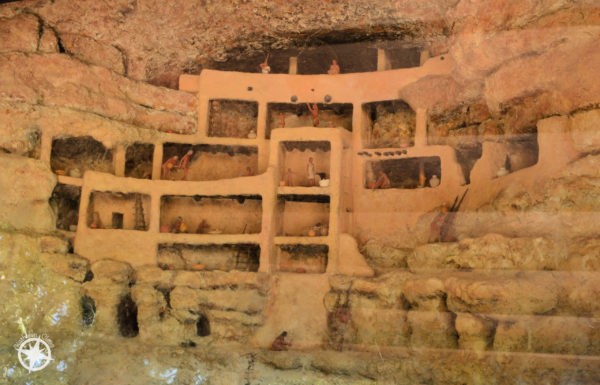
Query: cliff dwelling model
x=307, y=207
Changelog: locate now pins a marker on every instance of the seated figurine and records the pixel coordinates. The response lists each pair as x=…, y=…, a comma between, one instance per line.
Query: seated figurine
x=334, y=68
x=178, y=226
x=202, y=227
x=279, y=343
x=382, y=182
x=434, y=181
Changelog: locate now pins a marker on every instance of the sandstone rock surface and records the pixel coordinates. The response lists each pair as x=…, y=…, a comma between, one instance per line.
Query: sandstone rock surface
x=26, y=186
x=42, y=79
x=19, y=33
x=91, y=51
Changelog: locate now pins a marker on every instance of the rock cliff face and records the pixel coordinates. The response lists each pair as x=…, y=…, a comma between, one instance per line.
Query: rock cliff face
x=513, y=299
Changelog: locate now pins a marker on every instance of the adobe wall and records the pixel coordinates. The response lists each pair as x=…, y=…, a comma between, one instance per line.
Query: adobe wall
x=140, y=247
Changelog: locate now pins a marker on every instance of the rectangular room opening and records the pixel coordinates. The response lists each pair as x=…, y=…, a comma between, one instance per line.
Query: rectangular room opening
x=293, y=115
x=73, y=156
x=226, y=257
x=239, y=214
x=303, y=215
x=233, y=119
x=302, y=258
x=115, y=210
x=208, y=162
x=65, y=201
x=304, y=163
x=389, y=124
x=138, y=160
x=409, y=173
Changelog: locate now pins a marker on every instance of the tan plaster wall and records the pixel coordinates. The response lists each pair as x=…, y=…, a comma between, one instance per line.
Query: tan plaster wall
x=138, y=247
x=344, y=88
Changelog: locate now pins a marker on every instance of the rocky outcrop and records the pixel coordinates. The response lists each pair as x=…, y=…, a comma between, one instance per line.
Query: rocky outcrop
x=584, y=131
x=494, y=251
x=48, y=41
x=556, y=335
x=20, y=33
x=232, y=303
x=56, y=80
x=477, y=310
x=382, y=257
x=26, y=187
x=32, y=283
x=68, y=265
x=91, y=51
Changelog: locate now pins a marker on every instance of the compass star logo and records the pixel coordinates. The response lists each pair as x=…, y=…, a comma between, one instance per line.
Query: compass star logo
x=34, y=353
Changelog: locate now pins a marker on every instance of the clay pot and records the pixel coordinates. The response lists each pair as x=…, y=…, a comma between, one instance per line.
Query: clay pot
x=75, y=173
x=312, y=233
x=502, y=172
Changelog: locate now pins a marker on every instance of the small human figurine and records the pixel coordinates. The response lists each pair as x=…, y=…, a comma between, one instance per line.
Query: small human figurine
x=281, y=120
x=264, y=66
x=202, y=227
x=179, y=226
x=184, y=163
x=96, y=224
x=279, y=343
x=314, y=110
x=249, y=171
x=383, y=181
x=334, y=68
x=252, y=134
x=434, y=181
x=167, y=166
x=310, y=168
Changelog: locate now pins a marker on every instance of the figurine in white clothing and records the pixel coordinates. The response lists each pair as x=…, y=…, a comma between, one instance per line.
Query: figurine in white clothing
x=310, y=168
